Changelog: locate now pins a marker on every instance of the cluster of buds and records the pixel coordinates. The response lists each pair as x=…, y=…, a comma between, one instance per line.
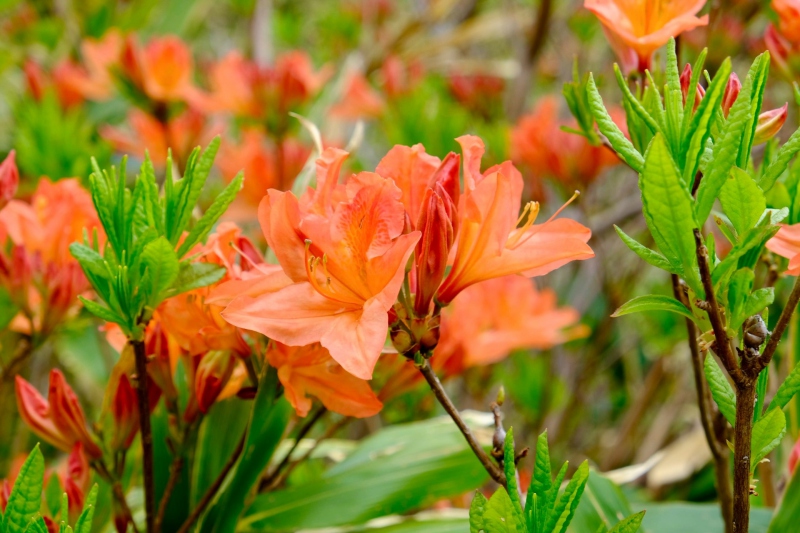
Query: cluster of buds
x=769, y=122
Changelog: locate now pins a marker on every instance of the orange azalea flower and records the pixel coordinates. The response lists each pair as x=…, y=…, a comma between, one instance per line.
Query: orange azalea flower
x=9, y=179
x=489, y=320
x=181, y=134
x=538, y=142
x=311, y=370
x=786, y=243
x=162, y=69
x=783, y=42
x=636, y=28
x=39, y=273
x=59, y=420
x=359, y=101
x=265, y=165
x=92, y=80
x=343, y=249
x=489, y=243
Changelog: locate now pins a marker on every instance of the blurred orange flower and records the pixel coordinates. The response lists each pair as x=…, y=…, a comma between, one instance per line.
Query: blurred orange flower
x=92, y=80
x=9, y=179
x=162, y=69
x=310, y=370
x=359, y=100
x=538, y=142
x=786, y=243
x=636, y=28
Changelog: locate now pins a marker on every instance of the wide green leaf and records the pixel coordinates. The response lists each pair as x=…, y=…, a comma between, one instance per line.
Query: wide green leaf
x=196, y=275
x=476, y=511
x=767, y=435
x=162, y=266
x=654, y=258
x=26, y=496
x=721, y=390
x=668, y=207
x=654, y=302
x=742, y=200
x=499, y=516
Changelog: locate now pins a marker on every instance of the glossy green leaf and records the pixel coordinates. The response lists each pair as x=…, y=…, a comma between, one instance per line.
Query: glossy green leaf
x=721, y=389
x=742, y=200
x=633, y=102
x=499, y=516
x=787, y=390
x=476, y=511
x=564, y=509
x=162, y=267
x=767, y=435
x=203, y=226
x=629, y=525
x=758, y=74
x=25, y=499
x=607, y=127
x=84, y=523
x=668, y=208
x=654, y=302
x=654, y=258
x=537, y=503
x=37, y=525
x=196, y=275
x=511, y=479
x=190, y=188
x=781, y=162
x=673, y=102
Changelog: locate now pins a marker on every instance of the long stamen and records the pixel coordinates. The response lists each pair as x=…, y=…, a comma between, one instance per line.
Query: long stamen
x=572, y=199
x=520, y=235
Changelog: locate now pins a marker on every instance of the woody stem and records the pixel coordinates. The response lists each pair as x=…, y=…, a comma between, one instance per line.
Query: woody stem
x=142, y=393
x=441, y=395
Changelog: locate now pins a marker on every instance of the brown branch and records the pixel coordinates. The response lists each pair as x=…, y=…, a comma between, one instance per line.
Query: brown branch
x=116, y=491
x=719, y=450
x=212, y=490
x=783, y=321
x=270, y=479
x=175, y=470
x=142, y=386
x=436, y=386
x=743, y=433
x=722, y=343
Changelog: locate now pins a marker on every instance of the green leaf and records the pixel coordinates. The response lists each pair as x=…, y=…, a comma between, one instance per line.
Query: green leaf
x=787, y=390
x=537, y=503
x=90, y=260
x=633, y=102
x=603, y=505
x=654, y=302
x=268, y=420
x=752, y=239
x=721, y=390
x=761, y=393
x=477, y=509
x=500, y=513
x=564, y=509
x=511, y=478
x=630, y=524
x=37, y=525
x=787, y=515
x=26, y=496
x=196, y=275
x=742, y=200
x=162, y=266
x=668, y=209
x=781, y=162
x=738, y=291
x=210, y=217
x=650, y=256
x=700, y=127
x=191, y=187
x=84, y=523
x=727, y=148
x=767, y=435
x=607, y=127
x=673, y=102
x=758, y=73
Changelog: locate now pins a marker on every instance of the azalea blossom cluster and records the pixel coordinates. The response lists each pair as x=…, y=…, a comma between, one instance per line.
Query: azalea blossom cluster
x=385, y=251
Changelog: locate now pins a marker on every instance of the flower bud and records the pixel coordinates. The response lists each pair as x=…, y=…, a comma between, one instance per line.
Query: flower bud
x=75, y=478
x=9, y=179
x=794, y=457
x=686, y=80
x=125, y=413
x=213, y=372
x=770, y=123
x=433, y=248
x=731, y=93
x=59, y=420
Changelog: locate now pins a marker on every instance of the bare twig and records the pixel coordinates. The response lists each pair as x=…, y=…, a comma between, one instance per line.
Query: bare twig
x=212, y=490
x=116, y=491
x=270, y=479
x=436, y=386
x=142, y=386
x=783, y=321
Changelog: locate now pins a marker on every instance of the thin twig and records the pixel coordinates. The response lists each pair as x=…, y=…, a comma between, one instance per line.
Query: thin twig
x=783, y=321
x=175, y=470
x=212, y=490
x=436, y=386
x=116, y=491
x=142, y=386
x=722, y=342
x=270, y=479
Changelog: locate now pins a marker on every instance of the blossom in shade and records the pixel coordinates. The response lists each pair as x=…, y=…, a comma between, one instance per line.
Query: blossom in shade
x=59, y=419
x=310, y=370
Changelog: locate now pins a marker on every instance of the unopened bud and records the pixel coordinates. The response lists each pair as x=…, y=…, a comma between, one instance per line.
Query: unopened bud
x=755, y=331
x=501, y=396
x=731, y=93
x=770, y=123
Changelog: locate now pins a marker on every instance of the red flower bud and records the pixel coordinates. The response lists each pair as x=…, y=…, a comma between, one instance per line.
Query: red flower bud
x=433, y=248
x=770, y=123
x=212, y=374
x=731, y=93
x=9, y=179
x=125, y=412
x=794, y=457
x=686, y=79
x=75, y=478
x=59, y=420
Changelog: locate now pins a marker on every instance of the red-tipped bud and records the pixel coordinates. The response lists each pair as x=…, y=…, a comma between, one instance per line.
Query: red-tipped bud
x=686, y=80
x=770, y=123
x=75, y=478
x=125, y=412
x=59, y=420
x=9, y=179
x=212, y=374
x=794, y=457
x=446, y=176
x=731, y=93
x=438, y=233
